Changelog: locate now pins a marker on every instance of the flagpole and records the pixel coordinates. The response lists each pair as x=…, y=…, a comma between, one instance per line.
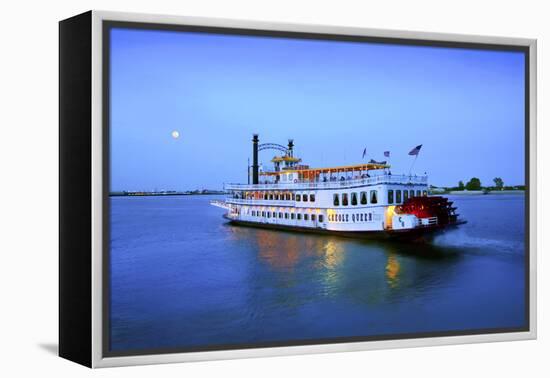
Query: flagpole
x=412, y=165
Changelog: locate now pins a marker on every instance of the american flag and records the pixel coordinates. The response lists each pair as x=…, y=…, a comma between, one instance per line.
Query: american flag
x=415, y=150
x=387, y=153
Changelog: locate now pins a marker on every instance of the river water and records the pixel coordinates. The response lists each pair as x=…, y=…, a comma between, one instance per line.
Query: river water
x=183, y=279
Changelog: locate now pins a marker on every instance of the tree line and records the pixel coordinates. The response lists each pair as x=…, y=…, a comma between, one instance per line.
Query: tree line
x=475, y=184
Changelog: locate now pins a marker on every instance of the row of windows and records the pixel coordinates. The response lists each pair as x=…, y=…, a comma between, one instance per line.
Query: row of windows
x=356, y=217
x=353, y=198
x=281, y=215
x=304, y=198
x=363, y=198
x=284, y=197
x=402, y=196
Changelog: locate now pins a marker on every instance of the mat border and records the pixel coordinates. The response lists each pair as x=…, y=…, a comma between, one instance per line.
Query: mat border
x=100, y=168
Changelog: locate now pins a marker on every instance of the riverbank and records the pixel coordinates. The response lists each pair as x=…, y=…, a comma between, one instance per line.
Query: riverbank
x=478, y=192
x=167, y=193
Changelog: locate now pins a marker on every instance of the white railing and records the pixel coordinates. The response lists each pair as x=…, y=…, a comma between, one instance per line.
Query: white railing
x=222, y=204
x=339, y=184
x=432, y=221
x=240, y=201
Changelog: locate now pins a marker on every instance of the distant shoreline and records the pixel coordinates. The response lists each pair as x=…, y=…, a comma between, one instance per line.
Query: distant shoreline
x=217, y=193
x=481, y=192
x=163, y=194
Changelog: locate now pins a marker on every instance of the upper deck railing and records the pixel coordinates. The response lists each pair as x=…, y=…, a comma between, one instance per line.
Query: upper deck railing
x=337, y=184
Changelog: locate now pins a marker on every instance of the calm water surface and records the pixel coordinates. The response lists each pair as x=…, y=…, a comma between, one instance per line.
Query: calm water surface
x=183, y=278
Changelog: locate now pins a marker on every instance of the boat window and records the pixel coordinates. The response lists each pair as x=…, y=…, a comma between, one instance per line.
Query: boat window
x=313, y=217
x=424, y=193
x=263, y=213
x=287, y=196
x=353, y=217
x=363, y=198
x=336, y=201
x=312, y=198
x=390, y=196
x=280, y=215
x=353, y=199
x=274, y=215
x=304, y=197
x=286, y=215
x=344, y=199
x=292, y=216
x=398, y=196
x=298, y=197
x=306, y=217
x=412, y=193
x=405, y=195
x=270, y=196
x=361, y=217
x=339, y=217
x=269, y=214
x=370, y=216
x=321, y=218
x=374, y=196
x=418, y=193
x=299, y=216
x=347, y=217
x=265, y=196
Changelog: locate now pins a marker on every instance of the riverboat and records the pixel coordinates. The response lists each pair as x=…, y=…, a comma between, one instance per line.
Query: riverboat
x=362, y=200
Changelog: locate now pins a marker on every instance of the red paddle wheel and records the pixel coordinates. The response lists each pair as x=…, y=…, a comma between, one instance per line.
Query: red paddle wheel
x=429, y=207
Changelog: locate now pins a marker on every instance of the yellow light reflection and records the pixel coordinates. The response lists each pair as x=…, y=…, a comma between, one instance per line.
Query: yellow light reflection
x=392, y=271
x=333, y=254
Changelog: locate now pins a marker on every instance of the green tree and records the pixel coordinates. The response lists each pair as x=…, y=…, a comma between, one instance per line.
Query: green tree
x=473, y=184
x=460, y=185
x=498, y=183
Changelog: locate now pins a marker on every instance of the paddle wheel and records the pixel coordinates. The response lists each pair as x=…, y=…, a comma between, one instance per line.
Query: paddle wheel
x=429, y=208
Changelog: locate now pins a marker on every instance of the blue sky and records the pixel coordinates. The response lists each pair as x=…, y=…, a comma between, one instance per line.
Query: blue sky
x=333, y=98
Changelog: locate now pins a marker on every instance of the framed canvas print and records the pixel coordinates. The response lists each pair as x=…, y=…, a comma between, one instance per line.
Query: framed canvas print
x=232, y=189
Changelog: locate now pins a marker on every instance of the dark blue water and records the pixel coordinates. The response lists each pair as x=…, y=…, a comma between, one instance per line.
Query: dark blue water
x=183, y=278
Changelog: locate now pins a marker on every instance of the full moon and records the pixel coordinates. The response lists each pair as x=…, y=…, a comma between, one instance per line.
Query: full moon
x=175, y=134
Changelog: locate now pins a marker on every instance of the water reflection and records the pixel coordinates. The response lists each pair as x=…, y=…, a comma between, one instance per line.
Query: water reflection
x=284, y=251
x=280, y=253
x=197, y=281
x=392, y=271
x=333, y=254
x=365, y=272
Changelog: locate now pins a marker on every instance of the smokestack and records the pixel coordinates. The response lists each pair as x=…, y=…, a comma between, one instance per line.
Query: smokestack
x=290, y=147
x=255, y=168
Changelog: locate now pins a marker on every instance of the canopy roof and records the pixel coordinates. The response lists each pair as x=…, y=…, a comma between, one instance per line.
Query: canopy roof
x=286, y=158
x=343, y=168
